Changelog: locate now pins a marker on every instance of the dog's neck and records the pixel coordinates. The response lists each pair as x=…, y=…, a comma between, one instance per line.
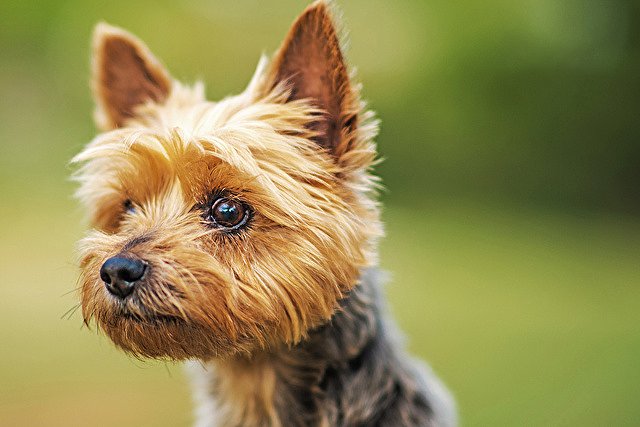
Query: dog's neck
x=339, y=375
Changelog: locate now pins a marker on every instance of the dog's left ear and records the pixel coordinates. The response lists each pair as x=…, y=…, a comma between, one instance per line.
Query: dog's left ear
x=125, y=75
x=311, y=65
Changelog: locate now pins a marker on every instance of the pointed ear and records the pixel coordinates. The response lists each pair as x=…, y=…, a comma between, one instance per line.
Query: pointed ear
x=310, y=63
x=125, y=76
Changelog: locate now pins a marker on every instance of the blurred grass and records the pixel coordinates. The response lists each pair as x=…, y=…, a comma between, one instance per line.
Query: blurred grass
x=529, y=316
x=511, y=136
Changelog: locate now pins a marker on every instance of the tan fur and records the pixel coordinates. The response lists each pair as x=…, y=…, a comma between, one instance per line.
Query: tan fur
x=282, y=314
x=315, y=223
x=247, y=393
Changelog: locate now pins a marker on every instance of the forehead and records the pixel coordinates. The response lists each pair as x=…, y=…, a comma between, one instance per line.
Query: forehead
x=238, y=144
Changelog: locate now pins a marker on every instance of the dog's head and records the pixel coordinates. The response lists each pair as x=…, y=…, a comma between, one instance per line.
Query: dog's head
x=225, y=227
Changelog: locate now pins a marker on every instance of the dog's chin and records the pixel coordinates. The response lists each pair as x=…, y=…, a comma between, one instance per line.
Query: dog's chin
x=162, y=336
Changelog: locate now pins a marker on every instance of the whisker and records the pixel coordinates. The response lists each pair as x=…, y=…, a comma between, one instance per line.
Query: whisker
x=67, y=314
x=71, y=291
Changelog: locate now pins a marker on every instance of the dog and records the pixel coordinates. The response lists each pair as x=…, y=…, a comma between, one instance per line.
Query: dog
x=241, y=236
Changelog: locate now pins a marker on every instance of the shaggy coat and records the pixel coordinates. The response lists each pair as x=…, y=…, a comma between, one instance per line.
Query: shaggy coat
x=278, y=301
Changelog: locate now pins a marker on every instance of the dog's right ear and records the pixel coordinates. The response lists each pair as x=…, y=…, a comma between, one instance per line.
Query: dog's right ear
x=125, y=75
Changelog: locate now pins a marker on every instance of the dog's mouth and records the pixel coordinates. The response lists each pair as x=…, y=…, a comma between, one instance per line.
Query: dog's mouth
x=152, y=319
x=134, y=311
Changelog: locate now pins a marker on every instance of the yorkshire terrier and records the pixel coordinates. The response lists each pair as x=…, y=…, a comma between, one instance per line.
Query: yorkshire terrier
x=242, y=235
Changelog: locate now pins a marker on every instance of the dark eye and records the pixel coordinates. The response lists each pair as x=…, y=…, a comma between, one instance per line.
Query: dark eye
x=228, y=213
x=128, y=206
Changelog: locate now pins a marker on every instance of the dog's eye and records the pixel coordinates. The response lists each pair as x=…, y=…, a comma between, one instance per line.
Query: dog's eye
x=228, y=213
x=128, y=206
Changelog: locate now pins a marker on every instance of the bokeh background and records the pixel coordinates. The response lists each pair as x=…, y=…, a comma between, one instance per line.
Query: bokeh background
x=511, y=134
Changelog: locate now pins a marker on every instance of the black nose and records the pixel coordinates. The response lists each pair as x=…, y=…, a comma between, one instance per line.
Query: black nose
x=120, y=275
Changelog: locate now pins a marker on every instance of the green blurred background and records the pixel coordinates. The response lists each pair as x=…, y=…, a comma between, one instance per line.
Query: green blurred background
x=512, y=145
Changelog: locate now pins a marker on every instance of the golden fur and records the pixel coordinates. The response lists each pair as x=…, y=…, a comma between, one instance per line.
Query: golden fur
x=282, y=313
x=315, y=222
